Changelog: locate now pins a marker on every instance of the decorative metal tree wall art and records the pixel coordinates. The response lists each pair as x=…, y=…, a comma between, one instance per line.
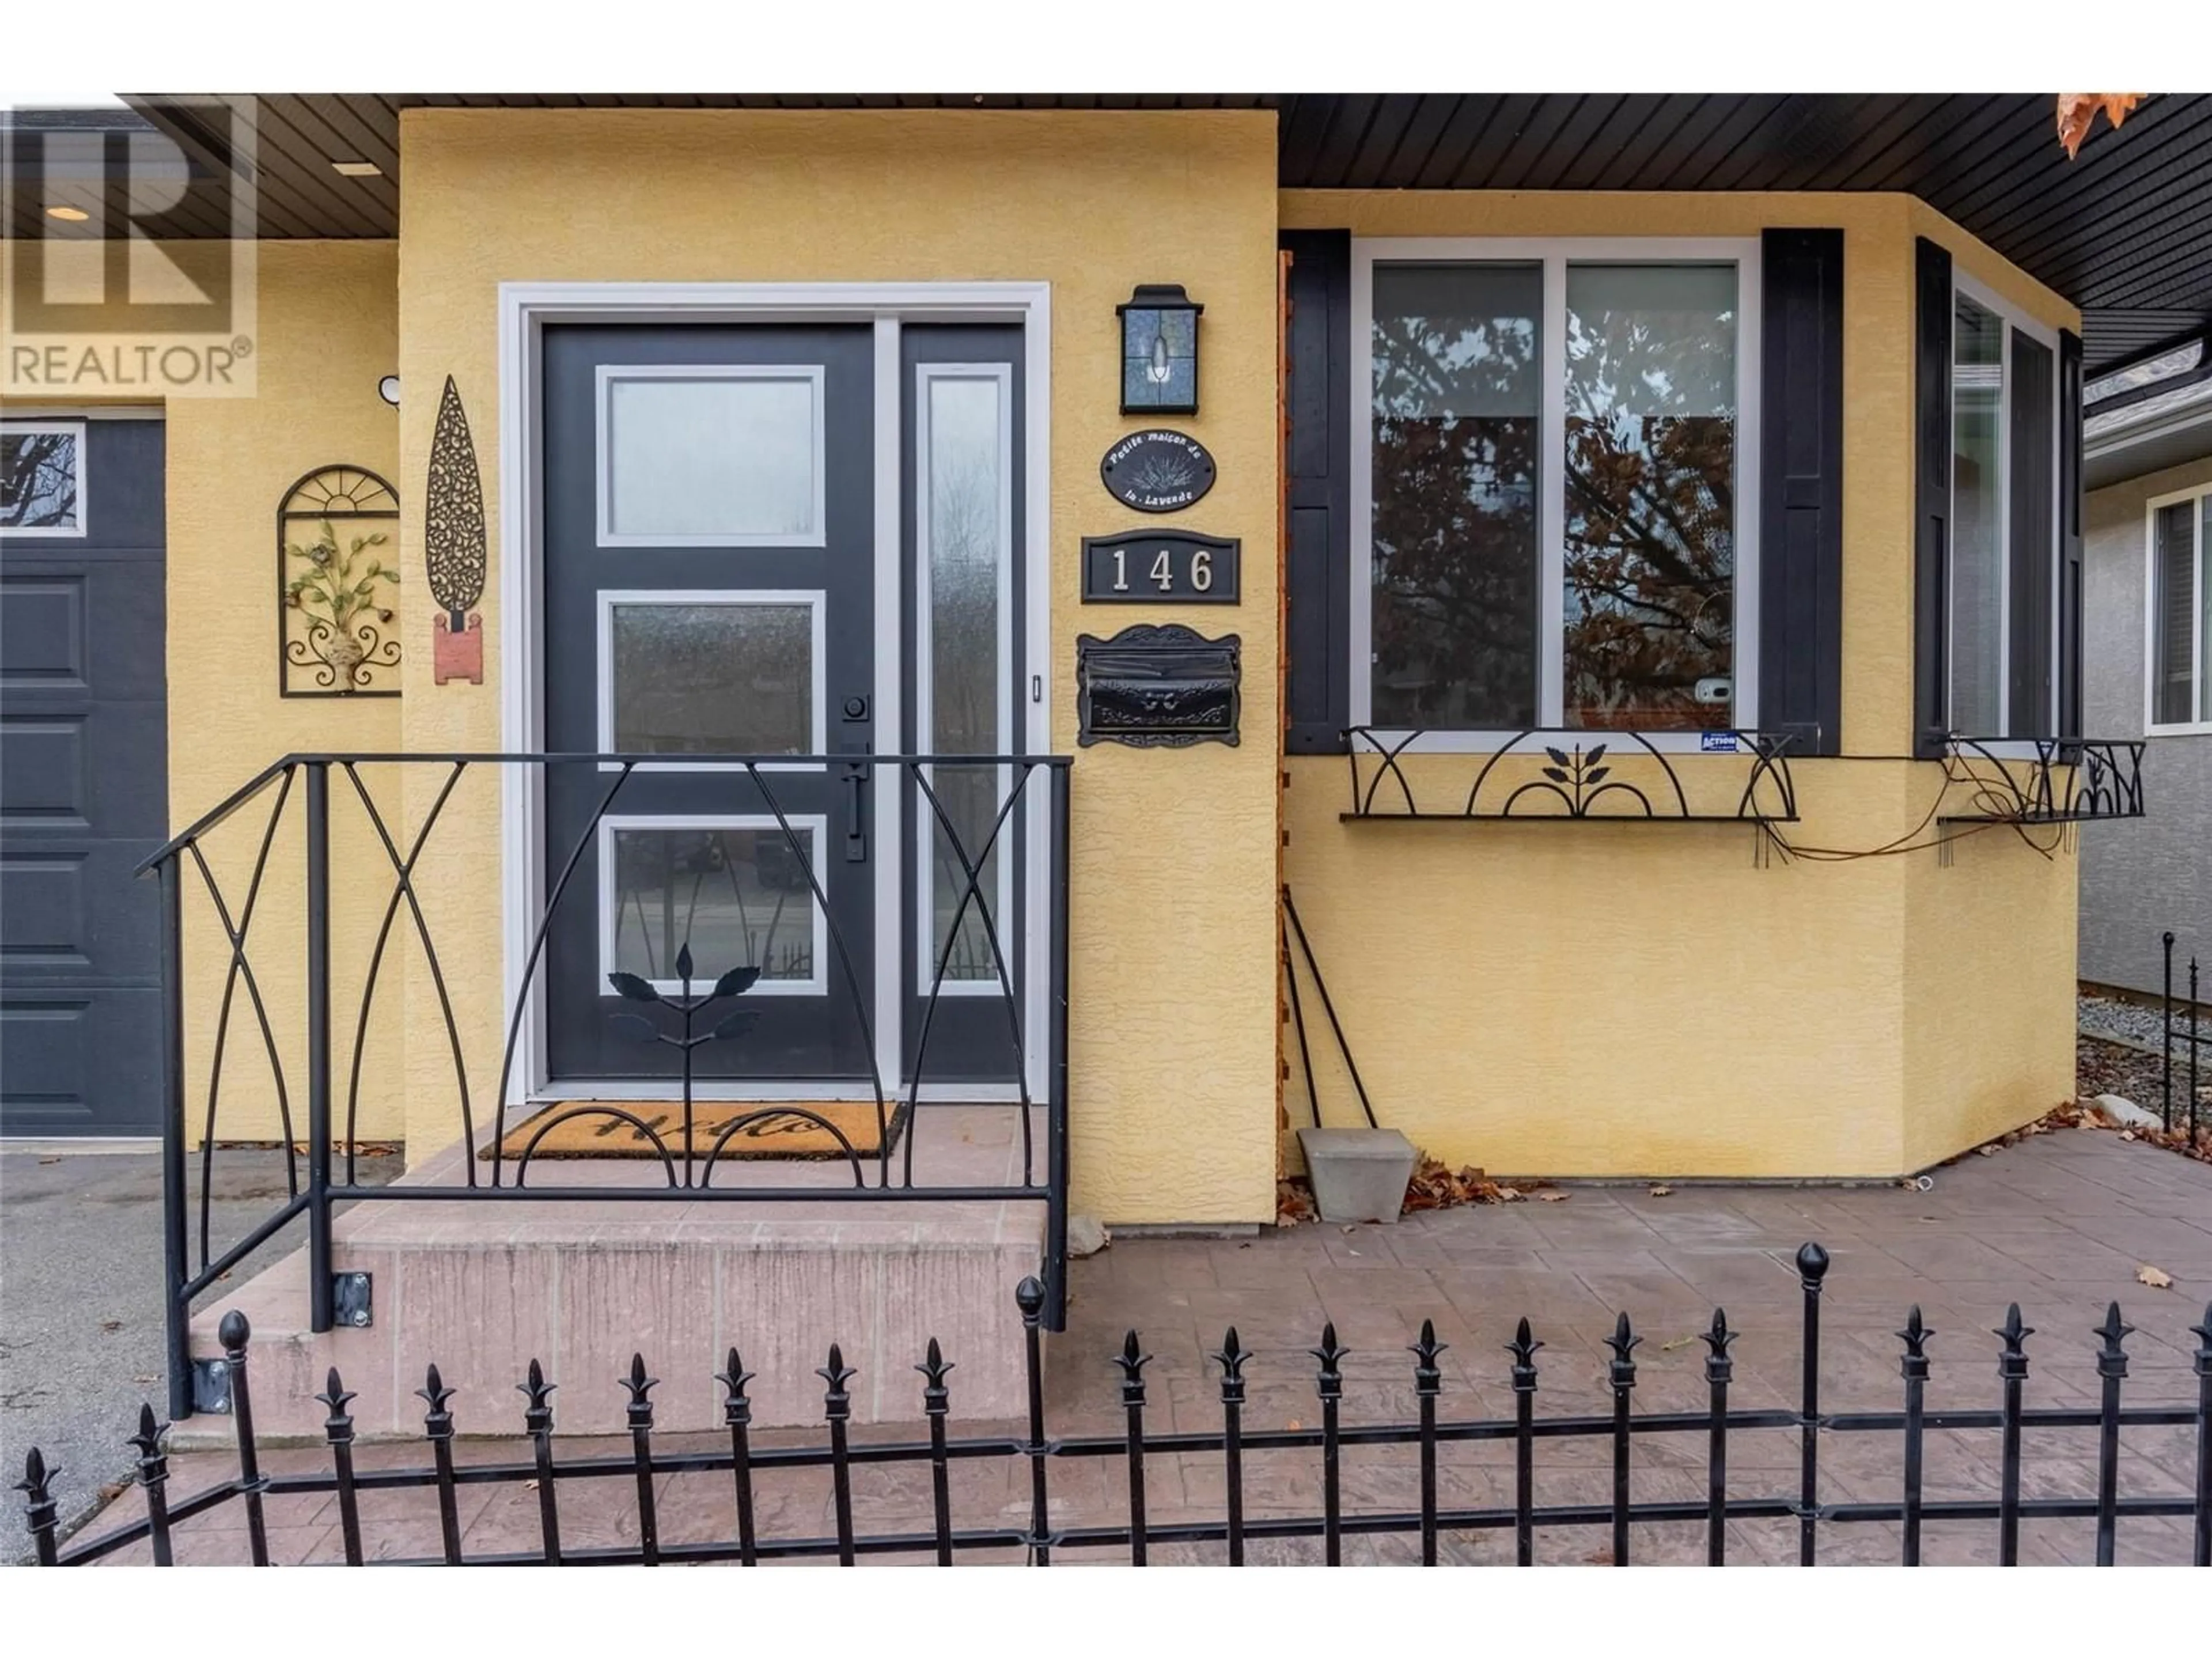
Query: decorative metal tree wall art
x=453, y=545
x=338, y=590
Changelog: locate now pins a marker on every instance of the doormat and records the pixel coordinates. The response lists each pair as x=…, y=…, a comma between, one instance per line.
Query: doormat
x=777, y=1128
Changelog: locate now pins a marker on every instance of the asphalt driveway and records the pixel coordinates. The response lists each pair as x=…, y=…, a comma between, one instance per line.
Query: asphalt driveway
x=81, y=1304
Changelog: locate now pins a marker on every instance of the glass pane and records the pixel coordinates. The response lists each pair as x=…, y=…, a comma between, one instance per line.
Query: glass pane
x=1456, y=395
x=713, y=458
x=967, y=563
x=708, y=679
x=1650, y=447
x=38, y=480
x=1977, y=521
x=2173, y=598
x=738, y=897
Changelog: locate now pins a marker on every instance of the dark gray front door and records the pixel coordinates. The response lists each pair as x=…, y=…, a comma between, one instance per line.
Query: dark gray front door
x=83, y=775
x=709, y=581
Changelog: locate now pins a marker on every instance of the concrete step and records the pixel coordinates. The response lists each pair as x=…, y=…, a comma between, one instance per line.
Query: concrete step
x=483, y=1287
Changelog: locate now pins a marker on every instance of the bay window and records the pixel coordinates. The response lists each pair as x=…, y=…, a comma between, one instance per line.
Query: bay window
x=1553, y=522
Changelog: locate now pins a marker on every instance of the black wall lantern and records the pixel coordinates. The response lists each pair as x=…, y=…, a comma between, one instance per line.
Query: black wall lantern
x=1159, y=350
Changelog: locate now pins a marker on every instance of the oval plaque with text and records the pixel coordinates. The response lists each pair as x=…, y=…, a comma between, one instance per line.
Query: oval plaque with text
x=1157, y=471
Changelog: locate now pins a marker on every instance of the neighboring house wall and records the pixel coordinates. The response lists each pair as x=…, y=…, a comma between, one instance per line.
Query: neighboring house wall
x=1570, y=998
x=2141, y=879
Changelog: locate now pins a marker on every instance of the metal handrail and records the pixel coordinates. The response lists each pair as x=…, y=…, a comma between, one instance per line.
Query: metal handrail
x=689, y=1170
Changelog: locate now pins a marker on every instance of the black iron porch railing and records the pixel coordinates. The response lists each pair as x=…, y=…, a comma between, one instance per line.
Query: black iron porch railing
x=1008, y=807
x=1579, y=775
x=1121, y=1521
x=2032, y=782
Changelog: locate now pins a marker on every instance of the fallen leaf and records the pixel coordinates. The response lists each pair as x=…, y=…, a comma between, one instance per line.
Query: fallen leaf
x=111, y=1325
x=1509, y=1194
x=2127, y=1134
x=50, y=1160
x=114, y=1490
x=2153, y=1276
x=149, y=1377
x=1294, y=1424
x=530, y=1486
x=1661, y=1189
x=1678, y=1342
x=2078, y=112
x=1554, y=1195
x=1347, y=1229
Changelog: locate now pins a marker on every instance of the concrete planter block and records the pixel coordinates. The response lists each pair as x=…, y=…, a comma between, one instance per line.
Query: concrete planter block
x=1358, y=1174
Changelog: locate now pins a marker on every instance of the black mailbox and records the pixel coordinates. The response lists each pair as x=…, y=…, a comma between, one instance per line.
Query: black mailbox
x=1156, y=686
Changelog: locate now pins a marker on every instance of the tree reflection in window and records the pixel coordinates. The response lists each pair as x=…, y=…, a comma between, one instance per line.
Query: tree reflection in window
x=38, y=479
x=1457, y=389
x=1651, y=441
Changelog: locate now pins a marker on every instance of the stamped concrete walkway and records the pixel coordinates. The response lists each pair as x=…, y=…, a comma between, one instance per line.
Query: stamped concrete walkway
x=2060, y=1223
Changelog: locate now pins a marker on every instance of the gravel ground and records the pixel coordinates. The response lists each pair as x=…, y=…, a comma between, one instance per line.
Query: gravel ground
x=80, y=1329
x=2105, y=1016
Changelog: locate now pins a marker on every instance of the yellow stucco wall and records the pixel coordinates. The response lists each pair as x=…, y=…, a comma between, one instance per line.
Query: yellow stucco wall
x=327, y=331
x=1173, y=1103
x=1549, y=998
x=1615, y=1000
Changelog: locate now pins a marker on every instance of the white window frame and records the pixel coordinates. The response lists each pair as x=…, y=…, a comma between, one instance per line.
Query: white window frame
x=2200, y=497
x=925, y=663
x=74, y=429
x=815, y=601
x=2009, y=318
x=603, y=474
x=814, y=823
x=1555, y=254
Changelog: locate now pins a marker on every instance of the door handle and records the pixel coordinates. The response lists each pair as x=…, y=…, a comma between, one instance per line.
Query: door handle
x=856, y=833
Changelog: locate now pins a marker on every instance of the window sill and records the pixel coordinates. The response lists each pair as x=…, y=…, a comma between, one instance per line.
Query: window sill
x=1576, y=776
x=2188, y=729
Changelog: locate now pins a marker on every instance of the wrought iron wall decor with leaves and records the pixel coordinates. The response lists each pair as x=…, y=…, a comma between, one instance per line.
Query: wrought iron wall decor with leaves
x=453, y=545
x=336, y=590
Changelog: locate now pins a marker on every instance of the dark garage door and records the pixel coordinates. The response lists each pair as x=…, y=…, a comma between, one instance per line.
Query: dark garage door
x=83, y=771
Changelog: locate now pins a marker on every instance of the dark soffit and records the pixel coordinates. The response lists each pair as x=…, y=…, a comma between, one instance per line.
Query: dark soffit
x=2124, y=232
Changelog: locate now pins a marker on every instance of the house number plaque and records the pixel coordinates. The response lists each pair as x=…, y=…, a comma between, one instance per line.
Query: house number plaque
x=1161, y=567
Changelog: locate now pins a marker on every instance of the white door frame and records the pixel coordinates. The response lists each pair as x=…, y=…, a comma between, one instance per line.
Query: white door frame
x=524, y=309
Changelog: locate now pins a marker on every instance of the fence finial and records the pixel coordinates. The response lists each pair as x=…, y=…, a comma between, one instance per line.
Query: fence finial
x=639, y=1387
x=1523, y=1347
x=2111, y=1359
x=1914, y=1361
x=234, y=1332
x=1624, y=1342
x=1132, y=1359
x=934, y=1367
x=736, y=1409
x=1029, y=1296
x=539, y=1395
x=1812, y=1264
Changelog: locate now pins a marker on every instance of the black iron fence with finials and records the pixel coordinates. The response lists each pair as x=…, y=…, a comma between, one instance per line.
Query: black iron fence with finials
x=1350, y=1459
x=313, y=889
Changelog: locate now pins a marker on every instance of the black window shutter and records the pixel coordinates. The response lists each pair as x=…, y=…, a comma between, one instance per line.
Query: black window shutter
x=1801, y=530
x=2069, y=535
x=1317, y=573
x=2028, y=706
x=1931, y=500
